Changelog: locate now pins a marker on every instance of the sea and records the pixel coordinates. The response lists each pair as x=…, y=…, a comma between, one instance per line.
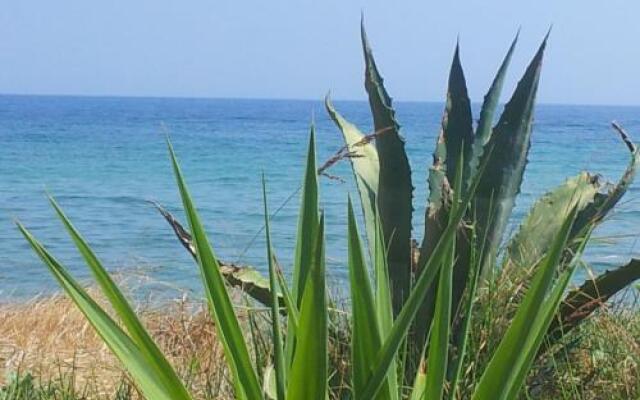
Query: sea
x=105, y=158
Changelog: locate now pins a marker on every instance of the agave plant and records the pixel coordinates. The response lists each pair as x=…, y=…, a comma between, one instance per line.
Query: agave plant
x=300, y=357
x=382, y=174
x=474, y=179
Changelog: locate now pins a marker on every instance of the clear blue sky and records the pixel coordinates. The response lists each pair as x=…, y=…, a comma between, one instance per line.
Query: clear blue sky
x=302, y=48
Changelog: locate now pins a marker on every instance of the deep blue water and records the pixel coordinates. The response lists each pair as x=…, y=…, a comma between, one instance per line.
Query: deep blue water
x=103, y=158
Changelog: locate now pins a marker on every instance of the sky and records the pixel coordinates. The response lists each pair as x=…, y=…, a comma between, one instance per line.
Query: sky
x=302, y=48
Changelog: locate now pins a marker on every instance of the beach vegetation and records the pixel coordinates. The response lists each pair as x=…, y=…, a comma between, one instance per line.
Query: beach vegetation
x=413, y=325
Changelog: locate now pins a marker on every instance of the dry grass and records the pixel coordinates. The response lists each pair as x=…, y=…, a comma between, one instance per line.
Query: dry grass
x=50, y=338
x=598, y=360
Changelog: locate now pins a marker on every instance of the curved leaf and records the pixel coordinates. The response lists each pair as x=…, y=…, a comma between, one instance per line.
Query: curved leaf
x=453, y=145
x=539, y=228
x=366, y=332
x=505, y=371
x=125, y=312
x=365, y=166
x=148, y=380
x=304, y=252
x=590, y=296
x=604, y=202
x=502, y=178
x=246, y=278
x=308, y=376
x=230, y=335
x=395, y=190
x=280, y=366
x=489, y=105
x=387, y=354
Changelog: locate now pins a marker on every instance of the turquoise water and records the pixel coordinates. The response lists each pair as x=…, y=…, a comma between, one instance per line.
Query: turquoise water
x=103, y=158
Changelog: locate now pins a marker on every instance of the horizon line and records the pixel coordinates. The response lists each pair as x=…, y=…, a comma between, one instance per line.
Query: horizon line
x=258, y=98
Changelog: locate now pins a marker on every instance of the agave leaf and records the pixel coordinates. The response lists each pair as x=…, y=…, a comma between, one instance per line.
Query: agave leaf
x=228, y=329
x=395, y=190
x=489, y=105
x=458, y=121
x=511, y=140
x=148, y=380
x=511, y=358
x=590, y=296
x=604, y=202
x=245, y=278
x=540, y=227
x=456, y=134
x=138, y=333
x=276, y=331
x=308, y=375
x=364, y=164
x=454, y=144
x=593, y=198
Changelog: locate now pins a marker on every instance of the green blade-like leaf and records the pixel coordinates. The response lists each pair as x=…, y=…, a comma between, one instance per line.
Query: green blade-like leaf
x=383, y=299
x=489, y=105
x=138, y=333
x=437, y=360
x=439, y=339
x=395, y=191
x=511, y=140
x=365, y=329
x=539, y=329
x=402, y=323
x=307, y=222
x=365, y=166
x=543, y=320
x=147, y=378
x=383, y=302
x=292, y=309
x=279, y=363
x=308, y=375
x=467, y=314
x=307, y=231
x=366, y=337
x=419, y=388
x=504, y=367
x=230, y=335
